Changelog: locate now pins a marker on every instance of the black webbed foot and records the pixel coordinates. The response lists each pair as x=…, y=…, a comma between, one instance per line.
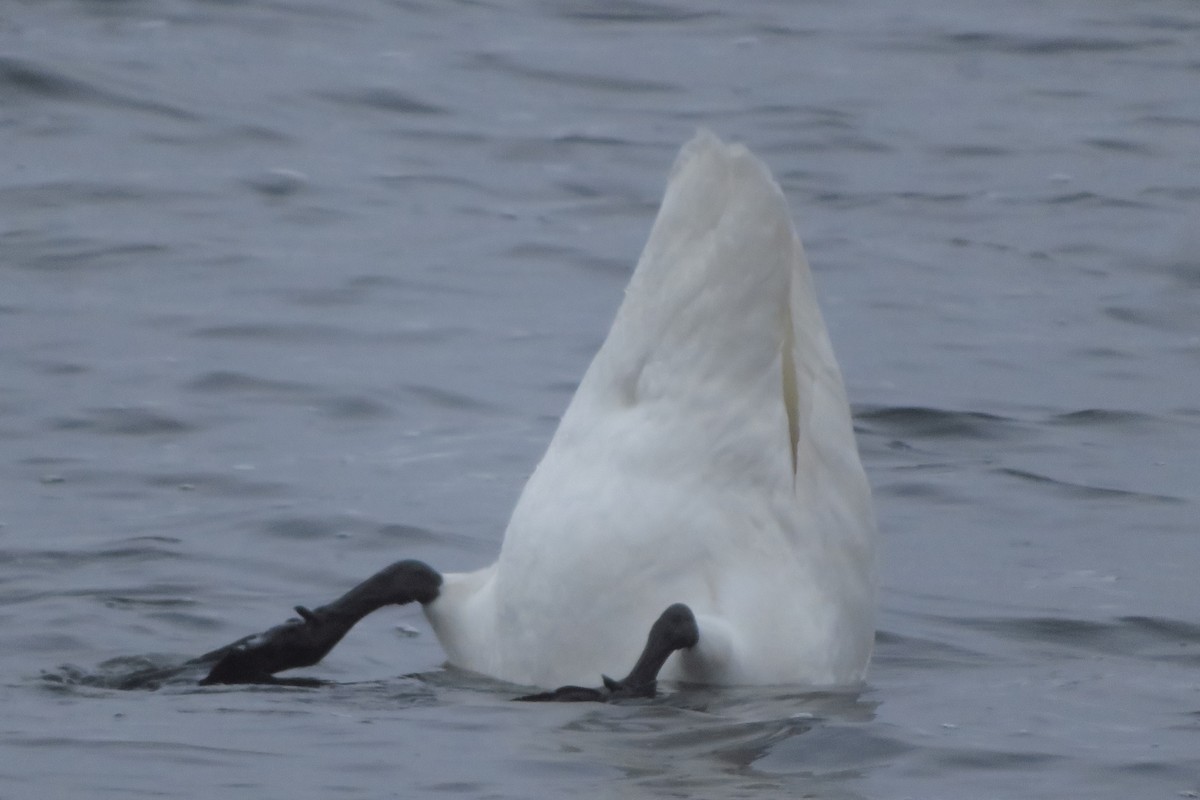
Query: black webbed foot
x=675, y=629
x=305, y=641
x=296, y=643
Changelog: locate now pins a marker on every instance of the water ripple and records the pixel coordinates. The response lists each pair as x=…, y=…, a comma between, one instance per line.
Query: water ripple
x=231, y=381
x=935, y=423
x=135, y=549
x=1032, y=45
x=579, y=80
x=64, y=193
x=626, y=11
x=382, y=99
x=1154, y=638
x=1084, y=491
x=1102, y=417
x=281, y=332
x=23, y=79
x=964, y=758
x=28, y=251
x=215, y=484
x=124, y=422
x=444, y=398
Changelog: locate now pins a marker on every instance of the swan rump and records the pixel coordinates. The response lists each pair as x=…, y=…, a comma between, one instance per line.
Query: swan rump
x=707, y=458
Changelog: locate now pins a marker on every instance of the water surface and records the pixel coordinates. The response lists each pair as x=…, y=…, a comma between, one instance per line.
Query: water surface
x=291, y=290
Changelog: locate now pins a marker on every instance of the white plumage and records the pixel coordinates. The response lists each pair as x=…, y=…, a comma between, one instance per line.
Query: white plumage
x=707, y=458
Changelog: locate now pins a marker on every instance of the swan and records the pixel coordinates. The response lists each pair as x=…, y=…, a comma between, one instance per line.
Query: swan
x=704, y=485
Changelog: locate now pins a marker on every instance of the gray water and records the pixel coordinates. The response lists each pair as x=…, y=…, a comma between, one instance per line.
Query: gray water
x=289, y=291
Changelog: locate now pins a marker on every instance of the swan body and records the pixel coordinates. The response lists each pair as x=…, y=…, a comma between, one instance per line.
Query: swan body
x=707, y=458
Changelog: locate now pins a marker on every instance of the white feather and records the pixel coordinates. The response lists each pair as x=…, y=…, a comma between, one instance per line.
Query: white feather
x=707, y=458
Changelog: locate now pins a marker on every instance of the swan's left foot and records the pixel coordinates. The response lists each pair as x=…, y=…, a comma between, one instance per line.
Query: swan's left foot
x=305, y=641
x=296, y=643
x=675, y=629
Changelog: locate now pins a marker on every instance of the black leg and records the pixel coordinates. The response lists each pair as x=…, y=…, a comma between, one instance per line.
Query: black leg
x=674, y=630
x=305, y=641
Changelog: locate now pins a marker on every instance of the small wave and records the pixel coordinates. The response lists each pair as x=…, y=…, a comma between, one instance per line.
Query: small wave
x=382, y=99
x=154, y=598
x=1105, y=353
x=1101, y=417
x=1043, y=45
x=277, y=332
x=325, y=297
x=398, y=534
x=134, y=551
x=626, y=11
x=574, y=256
x=444, y=398
x=929, y=492
x=1084, y=491
x=934, y=197
x=972, y=151
x=502, y=63
x=1093, y=200
x=125, y=673
x=408, y=533
x=1167, y=630
x=336, y=406
x=21, y=78
x=406, y=180
x=303, y=527
x=392, y=535
x=1156, y=638
x=70, y=254
x=215, y=484
x=61, y=194
x=1156, y=318
x=935, y=423
x=147, y=599
x=353, y=407
x=231, y=381
x=1120, y=145
x=278, y=183
x=591, y=140
x=123, y=422
x=956, y=759
x=915, y=652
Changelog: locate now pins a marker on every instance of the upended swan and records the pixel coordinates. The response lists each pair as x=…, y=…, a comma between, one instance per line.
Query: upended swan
x=701, y=513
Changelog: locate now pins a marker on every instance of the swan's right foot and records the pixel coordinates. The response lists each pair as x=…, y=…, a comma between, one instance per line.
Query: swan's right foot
x=675, y=629
x=305, y=641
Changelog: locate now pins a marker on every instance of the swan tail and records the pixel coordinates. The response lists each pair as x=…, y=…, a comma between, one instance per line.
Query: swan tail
x=707, y=302
x=720, y=323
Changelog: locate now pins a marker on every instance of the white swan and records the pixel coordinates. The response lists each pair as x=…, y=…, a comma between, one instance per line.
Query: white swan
x=707, y=458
